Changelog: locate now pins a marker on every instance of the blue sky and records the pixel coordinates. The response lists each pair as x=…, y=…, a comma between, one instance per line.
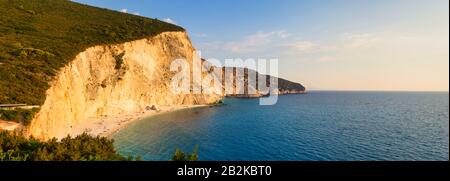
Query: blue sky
x=326, y=44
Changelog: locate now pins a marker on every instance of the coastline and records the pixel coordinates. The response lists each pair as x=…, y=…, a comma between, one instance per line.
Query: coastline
x=106, y=126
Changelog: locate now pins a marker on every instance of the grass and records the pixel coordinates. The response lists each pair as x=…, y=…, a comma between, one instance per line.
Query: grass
x=38, y=37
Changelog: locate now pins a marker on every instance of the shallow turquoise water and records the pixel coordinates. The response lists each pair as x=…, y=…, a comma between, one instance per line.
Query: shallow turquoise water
x=314, y=126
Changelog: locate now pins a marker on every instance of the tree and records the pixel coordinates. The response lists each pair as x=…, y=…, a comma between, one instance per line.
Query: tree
x=194, y=155
x=181, y=156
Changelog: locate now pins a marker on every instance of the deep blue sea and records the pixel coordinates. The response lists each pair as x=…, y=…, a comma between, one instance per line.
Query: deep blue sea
x=320, y=125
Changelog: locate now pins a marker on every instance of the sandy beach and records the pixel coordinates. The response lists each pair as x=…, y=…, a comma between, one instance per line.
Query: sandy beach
x=108, y=125
x=8, y=125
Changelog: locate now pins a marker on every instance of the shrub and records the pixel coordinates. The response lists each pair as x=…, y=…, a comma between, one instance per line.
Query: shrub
x=119, y=60
x=84, y=147
x=23, y=116
x=181, y=156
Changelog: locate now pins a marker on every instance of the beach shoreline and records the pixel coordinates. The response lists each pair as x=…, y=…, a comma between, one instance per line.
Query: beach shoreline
x=106, y=126
x=9, y=125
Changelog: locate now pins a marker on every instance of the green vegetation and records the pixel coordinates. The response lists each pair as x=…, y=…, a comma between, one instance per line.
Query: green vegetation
x=119, y=60
x=23, y=116
x=81, y=148
x=181, y=156
x=38, y=37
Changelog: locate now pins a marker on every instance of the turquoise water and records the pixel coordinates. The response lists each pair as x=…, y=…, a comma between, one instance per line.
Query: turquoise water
x=314, y=126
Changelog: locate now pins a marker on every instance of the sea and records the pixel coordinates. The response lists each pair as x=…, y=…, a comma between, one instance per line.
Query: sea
x=316, y=126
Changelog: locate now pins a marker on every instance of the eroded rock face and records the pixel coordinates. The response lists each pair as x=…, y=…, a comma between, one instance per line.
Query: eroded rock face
x=111, y=80
x=115, y=79
x=249, y=88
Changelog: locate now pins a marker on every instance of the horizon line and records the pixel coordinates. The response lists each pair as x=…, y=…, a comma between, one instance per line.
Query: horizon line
x=337, y=90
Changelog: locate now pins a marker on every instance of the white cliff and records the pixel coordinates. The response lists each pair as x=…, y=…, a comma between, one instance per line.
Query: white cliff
x=97, y=83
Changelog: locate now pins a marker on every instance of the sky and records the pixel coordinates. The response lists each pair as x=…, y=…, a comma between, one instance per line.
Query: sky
x=390, y=45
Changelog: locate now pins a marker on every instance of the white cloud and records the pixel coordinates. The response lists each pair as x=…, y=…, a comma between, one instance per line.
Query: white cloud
x=302, y=46
x=367, y=47
x=249, y=43
x=171, y=21
x=252, y=42
x=347, y=46
x=124, y=10
x=360, y=40
x=283, y=34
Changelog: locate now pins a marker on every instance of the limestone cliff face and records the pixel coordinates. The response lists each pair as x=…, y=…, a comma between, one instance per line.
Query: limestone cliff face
x=115, y=79
x=250, y=83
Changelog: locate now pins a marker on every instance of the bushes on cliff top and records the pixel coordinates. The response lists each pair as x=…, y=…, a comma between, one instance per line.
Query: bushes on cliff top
x=81, y=148
x=37, y=37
